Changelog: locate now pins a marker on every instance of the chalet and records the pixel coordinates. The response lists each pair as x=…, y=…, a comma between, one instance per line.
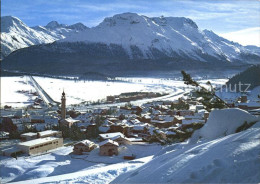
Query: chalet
x=68, y=122
x=146, y=118
x=163, y=121
x=108, y=148
x=121, y=140
x=40, y=145
x=119, y=128
x=83, y=146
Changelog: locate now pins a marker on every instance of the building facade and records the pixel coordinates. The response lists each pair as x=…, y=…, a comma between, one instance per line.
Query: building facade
x=40, y=145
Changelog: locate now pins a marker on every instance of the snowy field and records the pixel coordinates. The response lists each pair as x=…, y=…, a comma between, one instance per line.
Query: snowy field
x=82, y=91
x=59, y=162
x=9, y=94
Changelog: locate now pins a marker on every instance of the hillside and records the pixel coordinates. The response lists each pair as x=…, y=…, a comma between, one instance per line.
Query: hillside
x=231, y=159
x=214, y=154
x=249, y=76
x=130, y=41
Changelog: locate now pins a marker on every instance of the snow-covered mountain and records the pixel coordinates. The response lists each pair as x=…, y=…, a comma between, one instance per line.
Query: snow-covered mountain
x=168, y=35
x=15, y=34
x=130, y=41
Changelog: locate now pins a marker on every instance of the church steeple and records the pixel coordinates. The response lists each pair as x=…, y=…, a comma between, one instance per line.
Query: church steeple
x=63, y=106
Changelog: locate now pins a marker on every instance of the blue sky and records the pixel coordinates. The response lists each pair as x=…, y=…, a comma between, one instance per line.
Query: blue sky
x=222, y=16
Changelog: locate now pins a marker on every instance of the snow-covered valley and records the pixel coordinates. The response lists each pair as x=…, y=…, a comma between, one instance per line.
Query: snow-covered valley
x=79, y=91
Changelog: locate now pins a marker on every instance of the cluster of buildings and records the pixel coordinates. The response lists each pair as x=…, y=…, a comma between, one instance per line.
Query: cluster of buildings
x=35, y=143
x=252, y=106
x=157, y=121
x=128, y=97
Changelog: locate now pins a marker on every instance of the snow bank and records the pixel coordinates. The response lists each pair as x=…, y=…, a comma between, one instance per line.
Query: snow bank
x=231, y=159
x=224, y=122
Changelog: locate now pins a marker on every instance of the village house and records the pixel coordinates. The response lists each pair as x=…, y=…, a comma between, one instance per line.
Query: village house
x=40, y=145
x=121, y=140
x=83, y=146
x=119, y=128
x=108, y=148
x=163, y=121
x=111, y=99
x=68, y=122
x=146, y=118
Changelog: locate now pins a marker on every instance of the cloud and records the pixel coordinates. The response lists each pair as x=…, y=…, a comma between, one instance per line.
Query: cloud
x=250, y=36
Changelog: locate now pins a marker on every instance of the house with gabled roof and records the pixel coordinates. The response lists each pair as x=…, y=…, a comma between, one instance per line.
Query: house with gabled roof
x=83, y=146
x=108, y=148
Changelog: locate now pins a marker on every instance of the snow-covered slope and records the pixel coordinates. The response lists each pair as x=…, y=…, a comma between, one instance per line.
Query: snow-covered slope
x=231, y=159
x=169, y=35
x=225, y=122
x=15, y=34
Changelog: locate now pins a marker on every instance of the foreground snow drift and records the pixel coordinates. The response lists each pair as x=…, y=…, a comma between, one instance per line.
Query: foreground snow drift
x=233, y=159
x=97, y=175
x=224, y=122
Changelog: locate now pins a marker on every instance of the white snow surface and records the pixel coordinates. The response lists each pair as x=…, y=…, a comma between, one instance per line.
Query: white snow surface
x=231, y=159
x=168, y=34
x=15, y=34
x=225, y=122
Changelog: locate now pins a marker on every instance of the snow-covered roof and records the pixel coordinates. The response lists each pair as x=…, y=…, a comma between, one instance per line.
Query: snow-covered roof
x=111, y=135
x=71, y=120
x=47, y=132
x=108, y=141
x=86, y=142
x=37, y=141
x=29, y=134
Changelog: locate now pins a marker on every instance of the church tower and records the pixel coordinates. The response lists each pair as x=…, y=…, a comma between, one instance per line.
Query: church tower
x=63, y=106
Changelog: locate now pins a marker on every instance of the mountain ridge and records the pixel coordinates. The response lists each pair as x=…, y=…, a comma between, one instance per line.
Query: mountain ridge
x=124, y=39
